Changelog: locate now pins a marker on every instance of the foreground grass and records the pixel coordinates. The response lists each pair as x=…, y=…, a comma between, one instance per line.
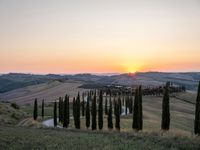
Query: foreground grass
x=47, y=138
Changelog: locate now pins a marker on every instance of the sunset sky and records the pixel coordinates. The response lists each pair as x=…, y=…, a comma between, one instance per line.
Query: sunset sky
x=99, y=36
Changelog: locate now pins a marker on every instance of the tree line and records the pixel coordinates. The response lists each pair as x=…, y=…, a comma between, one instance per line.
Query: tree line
x=90, y=106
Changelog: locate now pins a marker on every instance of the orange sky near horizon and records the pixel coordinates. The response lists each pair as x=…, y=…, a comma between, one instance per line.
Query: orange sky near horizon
x=107, y=36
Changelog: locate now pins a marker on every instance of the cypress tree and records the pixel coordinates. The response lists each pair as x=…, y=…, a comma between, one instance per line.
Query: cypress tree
x=42, y=109
x=94, y=123
x=55, y=114
x=60, y=110
x=197, y=113
x=88, y=111
x=126, y=105
x=110, y=123
x=135, y=111
x=66, y=112
x=120, y=105
x=106, y=106
x=165, y=109
x=35, y=110
x=78, y=111
x=140, y=114
x=83, y=105
x=74, y=111
x=117, y=116
x=100, y=111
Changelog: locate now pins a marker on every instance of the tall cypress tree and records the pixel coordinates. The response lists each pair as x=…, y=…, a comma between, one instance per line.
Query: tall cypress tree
x=100, y=111
x=197, y=113
x=165, y=109
x=74, y=111
x=35, y=110
x=110, y=123
x=55, y=114
x=106, y=106
x=83, y=105
x=94, y=113
x=117, y=116
x=135, y=111
x=126, y=105
x=66, y=112
x=78, y=112
x=60, y=110
x=140, y=114
x=120, y=105
x=42, y=109
x=88, y=111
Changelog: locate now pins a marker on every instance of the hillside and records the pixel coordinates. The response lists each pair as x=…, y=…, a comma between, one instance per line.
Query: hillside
x=9, y=114
x=14, y=81
x=49, y=91
x=27, y=138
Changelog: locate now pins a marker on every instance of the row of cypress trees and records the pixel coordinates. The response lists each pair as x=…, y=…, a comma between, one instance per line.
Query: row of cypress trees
x=35, y=109
x=137, y=124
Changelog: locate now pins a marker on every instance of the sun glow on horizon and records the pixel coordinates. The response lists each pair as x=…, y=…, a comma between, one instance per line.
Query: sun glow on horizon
x=99, y=36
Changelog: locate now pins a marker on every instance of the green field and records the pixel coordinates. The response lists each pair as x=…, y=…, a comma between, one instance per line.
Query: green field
x=49, y=138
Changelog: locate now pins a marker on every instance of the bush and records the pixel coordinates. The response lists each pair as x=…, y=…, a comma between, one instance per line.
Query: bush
x=14, y=105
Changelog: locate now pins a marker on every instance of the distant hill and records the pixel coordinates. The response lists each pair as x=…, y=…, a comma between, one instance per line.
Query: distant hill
x=14, y=81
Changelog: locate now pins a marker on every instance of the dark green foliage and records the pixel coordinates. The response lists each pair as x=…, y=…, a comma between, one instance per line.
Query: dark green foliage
x=83, y=105
x=55, y=114
x=117, y=116
x=77, y=124
x=140, y=114
x=94, y=113
x=126, y=105
x=165, y=109
x=106, y=106
x=66, y=112
x=14, y=105
x=135, y=111
x=60, y=110
x=88, y=111
x=74, y=111
x=197, y=113
x=120, y=105
x=42, y=109
x=35, y=110
x=100, y=111
x=110, y=123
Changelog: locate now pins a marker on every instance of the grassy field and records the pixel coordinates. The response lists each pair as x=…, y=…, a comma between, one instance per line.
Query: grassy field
x=182, y=115
x=43, y=138
x=49, y=91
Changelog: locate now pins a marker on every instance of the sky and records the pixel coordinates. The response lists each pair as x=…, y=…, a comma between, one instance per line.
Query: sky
x=99, y=36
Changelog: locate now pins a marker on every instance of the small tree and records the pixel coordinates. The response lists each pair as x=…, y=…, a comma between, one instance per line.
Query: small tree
x=35, y=110
x=94, y=113
x=197, y=113
x=100, y=111
x=55, y=114
x=88, y=111
x=42, y=109
x=110, y=123
x=165, y=109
